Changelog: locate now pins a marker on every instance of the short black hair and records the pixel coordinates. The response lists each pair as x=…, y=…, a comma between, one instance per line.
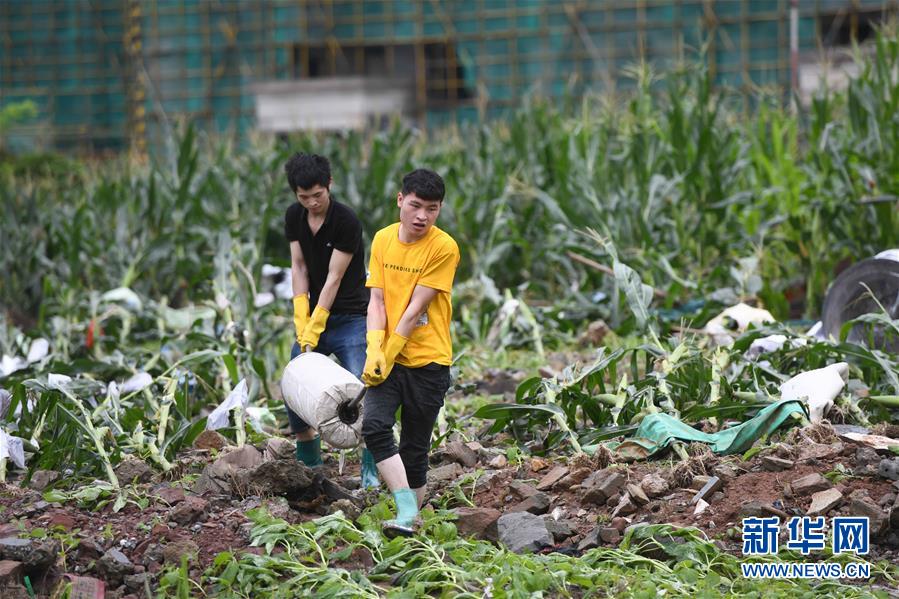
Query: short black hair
x=424, y=183
x=305, y=171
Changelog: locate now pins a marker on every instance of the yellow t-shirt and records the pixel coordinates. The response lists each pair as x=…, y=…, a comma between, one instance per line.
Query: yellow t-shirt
x=397, y=267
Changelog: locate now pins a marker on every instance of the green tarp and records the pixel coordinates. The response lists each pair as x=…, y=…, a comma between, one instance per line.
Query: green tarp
x=657, y=431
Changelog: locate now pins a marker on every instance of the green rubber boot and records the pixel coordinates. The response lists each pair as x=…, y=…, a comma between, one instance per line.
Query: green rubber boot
x=406, y=511
x=310, y=452
x=370, y=478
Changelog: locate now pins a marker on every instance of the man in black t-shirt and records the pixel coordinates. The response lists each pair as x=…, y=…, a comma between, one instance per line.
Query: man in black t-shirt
x=328, y=274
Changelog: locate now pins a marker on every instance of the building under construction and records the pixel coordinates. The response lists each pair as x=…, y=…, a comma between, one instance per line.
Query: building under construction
x=117, y=74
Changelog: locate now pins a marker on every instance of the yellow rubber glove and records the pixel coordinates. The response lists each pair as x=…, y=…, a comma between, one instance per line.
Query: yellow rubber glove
x=374, y=372
x=314, y=328
x=300, y=314
x=395, y=344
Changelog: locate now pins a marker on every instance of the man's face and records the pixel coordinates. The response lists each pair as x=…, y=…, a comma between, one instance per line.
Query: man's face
x=417, y=216
x=314, y=199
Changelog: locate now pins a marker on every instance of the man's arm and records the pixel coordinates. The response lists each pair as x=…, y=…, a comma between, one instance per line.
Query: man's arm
x=377, y=313
x=336, y=269
x=299, y=275
x=418, y=305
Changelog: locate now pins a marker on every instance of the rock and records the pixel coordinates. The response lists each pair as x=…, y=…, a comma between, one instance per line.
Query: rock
x=90, y=549
x=10, y=572
x=538, y=464
x=810, y=483
x=725, y=472
x=752, y=509
x=889, y=468
x=590, y=540
x=498, y=461
x=699, y=481
x=460, y=453
x=114, y=566
x=575, y=477
x=133, y=470
x=824, y=501
x=637, y=494
x=538, y=504
x=279, y=508
x=172, y=552
x=559, y=529
x=41, y=479
x=619, y=523
x=775, y=464
x=712, y=486
x=625, y=507
x=35, y=555
x=189, y=511
x=602, y=485
x=819, y=451
x=217, y=476
x=522, y=490
x=654, y=485
x=346, y=506
x=595, y=333
x=288, y=478
x=61, y=519
x=551, y=478
x=887, y=500
x=701, y=506
x=609, y=535
x=335, y=492
x=613, y=500
x=478, y=522
x=499, y=382
x=523, y=532
x=279, y=448
x=135, y=582
x=866, y=461
x=878, y=520
x=171, y=495
x=444, y=474
x=210, y=440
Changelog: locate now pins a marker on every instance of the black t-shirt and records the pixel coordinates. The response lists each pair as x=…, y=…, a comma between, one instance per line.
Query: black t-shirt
x=343, y=231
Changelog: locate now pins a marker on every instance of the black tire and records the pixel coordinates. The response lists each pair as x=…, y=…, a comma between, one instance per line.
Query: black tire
x=848, y=298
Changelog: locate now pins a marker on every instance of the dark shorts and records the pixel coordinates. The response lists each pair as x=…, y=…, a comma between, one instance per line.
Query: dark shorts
x=419, y=392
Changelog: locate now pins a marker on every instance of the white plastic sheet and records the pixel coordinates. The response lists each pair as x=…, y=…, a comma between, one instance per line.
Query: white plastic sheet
x=313, y=386
x=39, y=349
x=743, y=315
x=139, y=381
x=238, y=397
x=12, y=448
x=818, y=387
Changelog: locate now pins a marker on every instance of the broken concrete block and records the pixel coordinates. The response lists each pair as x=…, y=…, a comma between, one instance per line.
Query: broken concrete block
x=810, y=483
x=775, y=464
x=824, y=501
x=552, y=477
x=523, y=532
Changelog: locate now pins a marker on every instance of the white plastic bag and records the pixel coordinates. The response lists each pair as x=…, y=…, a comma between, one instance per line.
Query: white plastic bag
x=239, y=396
x=11, y=447
x=313, y=386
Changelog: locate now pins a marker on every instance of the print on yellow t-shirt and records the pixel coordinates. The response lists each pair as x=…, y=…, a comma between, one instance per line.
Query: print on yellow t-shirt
x=397, y=267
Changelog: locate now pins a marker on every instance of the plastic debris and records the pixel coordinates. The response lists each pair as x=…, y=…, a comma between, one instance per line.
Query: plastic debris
x=734, y=320
x=139, y=381
x=818, y=388
x=12, y=448
x=238, y=397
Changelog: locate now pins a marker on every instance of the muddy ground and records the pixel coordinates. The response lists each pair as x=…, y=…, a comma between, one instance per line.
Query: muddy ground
x=199, y=509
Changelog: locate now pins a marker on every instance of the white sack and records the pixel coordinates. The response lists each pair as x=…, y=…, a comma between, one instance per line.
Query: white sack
x=313, y=386
x=818, y=387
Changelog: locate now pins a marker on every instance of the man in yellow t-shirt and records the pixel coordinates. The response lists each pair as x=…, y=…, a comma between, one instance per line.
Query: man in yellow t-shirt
x=409, y=349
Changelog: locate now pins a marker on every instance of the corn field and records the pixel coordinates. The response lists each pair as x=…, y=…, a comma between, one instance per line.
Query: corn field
x=142, y=279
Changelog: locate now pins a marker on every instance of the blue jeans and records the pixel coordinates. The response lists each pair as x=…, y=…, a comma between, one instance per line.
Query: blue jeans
x=344, y=336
